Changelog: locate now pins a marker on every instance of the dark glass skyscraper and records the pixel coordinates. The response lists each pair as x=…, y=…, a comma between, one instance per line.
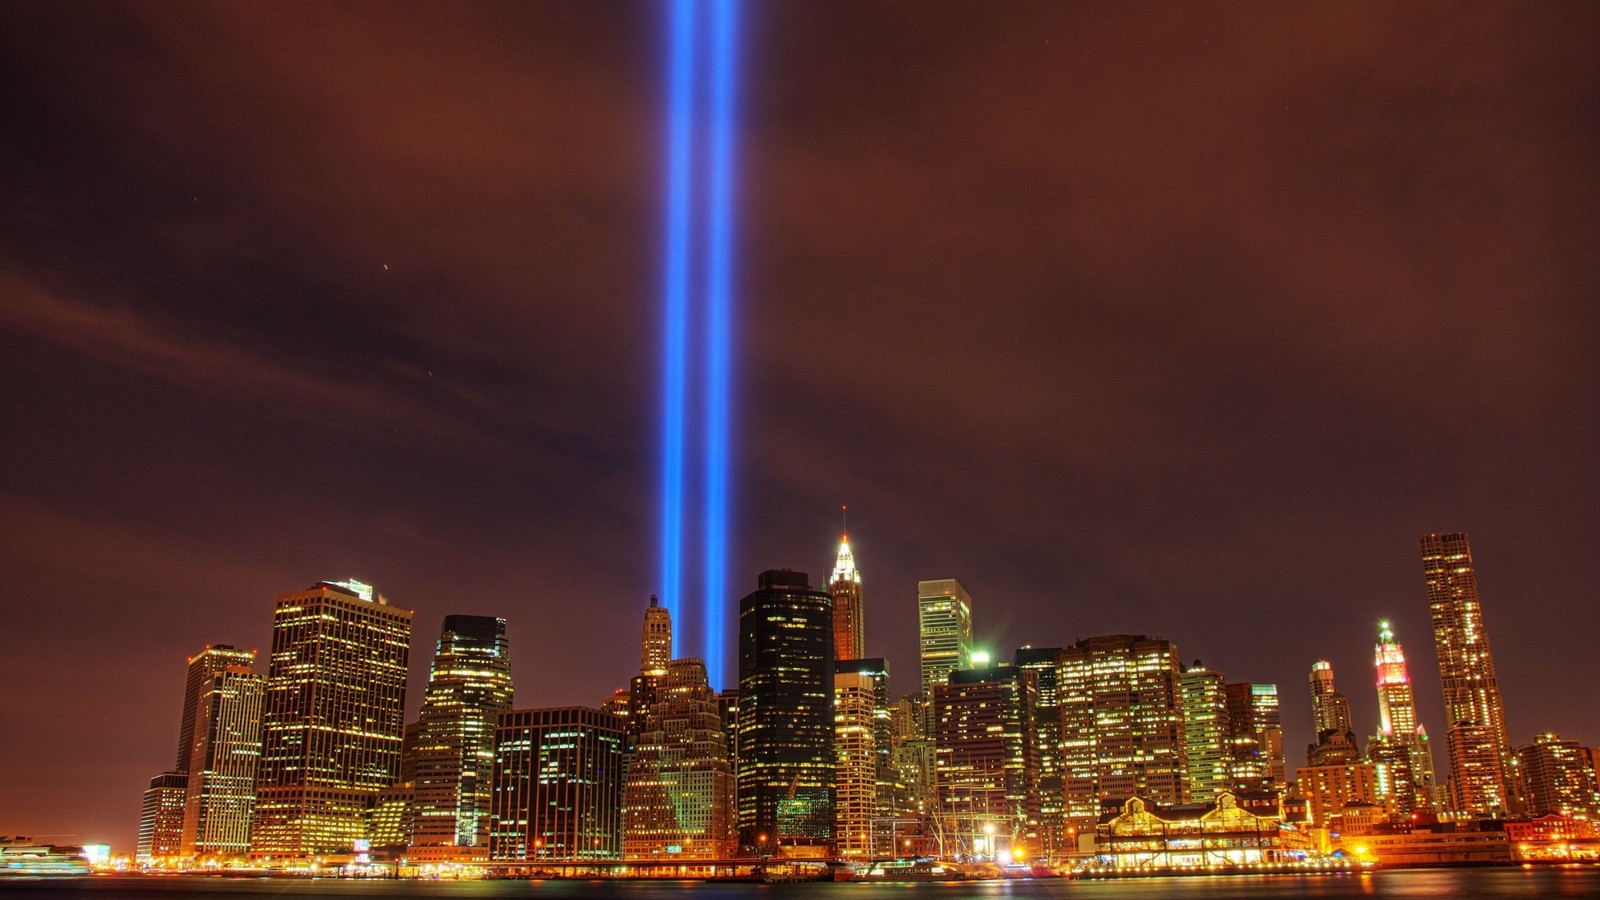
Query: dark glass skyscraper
x=786, y=747
x=470, y=686
x=557, y=785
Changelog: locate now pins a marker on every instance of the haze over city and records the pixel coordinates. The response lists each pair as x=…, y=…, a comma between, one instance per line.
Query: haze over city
x=1176, y=320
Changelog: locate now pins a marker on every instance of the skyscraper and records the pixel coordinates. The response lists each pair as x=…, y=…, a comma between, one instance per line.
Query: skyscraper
x=1256, y=730
x=470, y=686
x=855, y=802
x=1482, y=770
x=944, y=625
x=849, y=641
x=1044, y=663
x=223, y=725
x=1205, y=731
x=1122, y=725
x=1560, y=778
x=1400, y=749
x=1330, y=711
x=656, y=647
x=786, y=755
x=987, y=760
x=678, y=798
x=334, y=718
x=558, y=777
x=161, y=818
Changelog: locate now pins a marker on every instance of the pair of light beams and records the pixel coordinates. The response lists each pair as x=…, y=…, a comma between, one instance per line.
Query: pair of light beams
x=697, y=296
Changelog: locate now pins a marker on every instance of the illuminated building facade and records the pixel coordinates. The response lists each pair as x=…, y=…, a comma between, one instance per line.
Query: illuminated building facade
x=855, y=803
x=1049, y=833
x=1205, y=731
x=334, y=718
x=1225, y=832
x=1482, y=769
x=849, y=635
x=469, y=687
x=1400, y=749
x=161, y=817
x=1559, y=778
x=678, y=798
x=911, y=754
x=1330, y=710
x=224, y=730
x=656, y=646
x=786, y=755
x=558, y=780
x=944, y=629
x=393, y=813
x=1256, y=734
x=1122, y=725
x=1329, y=788
x=986, y=759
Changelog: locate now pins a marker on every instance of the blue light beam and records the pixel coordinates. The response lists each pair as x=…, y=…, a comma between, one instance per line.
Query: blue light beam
x=719, y=309
x=675, y=290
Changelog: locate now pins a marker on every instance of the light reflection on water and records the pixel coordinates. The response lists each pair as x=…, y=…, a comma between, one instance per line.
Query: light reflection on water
x=1456, y=884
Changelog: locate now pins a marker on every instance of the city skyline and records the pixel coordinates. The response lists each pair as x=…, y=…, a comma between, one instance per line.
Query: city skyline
x=1180, y=322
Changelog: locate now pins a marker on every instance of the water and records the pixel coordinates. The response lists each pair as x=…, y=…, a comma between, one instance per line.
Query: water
x=1456, y=884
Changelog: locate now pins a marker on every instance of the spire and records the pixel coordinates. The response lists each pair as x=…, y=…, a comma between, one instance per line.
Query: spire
x=1385, y=633
x=845, y=568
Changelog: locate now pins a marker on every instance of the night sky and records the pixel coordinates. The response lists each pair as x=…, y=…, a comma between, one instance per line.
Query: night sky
x=1182, y=319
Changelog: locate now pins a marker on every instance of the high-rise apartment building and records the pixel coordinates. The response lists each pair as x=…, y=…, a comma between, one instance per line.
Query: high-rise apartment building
x=223, y=728
x=1482, y=768
x=1122, y=725
x=849, y=623
x=558, y=776
x=1330, y=710
x=855, y=802
x=1256, y=732
x=1559, y=777
x=887, y=786
x=334, y=718
x=986, y=759
x=678, y=799
x=1400, y=749
x=656, y=647
x=161, y=818
x=786, y=755
x=468, y=688
x=1329, y=788
x=1205, y=731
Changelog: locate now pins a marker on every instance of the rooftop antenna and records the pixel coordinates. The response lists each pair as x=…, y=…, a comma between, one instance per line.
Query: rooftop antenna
x=844, y=515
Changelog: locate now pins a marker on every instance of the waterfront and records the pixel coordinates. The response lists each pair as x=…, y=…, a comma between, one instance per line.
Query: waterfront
x=1459, y=884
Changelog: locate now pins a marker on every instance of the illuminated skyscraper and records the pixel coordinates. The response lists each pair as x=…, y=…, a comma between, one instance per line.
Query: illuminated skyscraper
x=558, y=777
x=1122, y=725
x=161, y=817
x=224, y=729
x=1560, y=778
x=1400, y=749
x=855, y=802
x=656, y=648
x=786, y=755
x=849, y=641
x=944, y=625
x=678, y=798
x=470, y=686
x=334, y=718
x=1044, y=662
x=1330, y=711
x=1256, y=733
x=1205, y=731
x=987, y=759
x=1482, y=770
x=864, y=740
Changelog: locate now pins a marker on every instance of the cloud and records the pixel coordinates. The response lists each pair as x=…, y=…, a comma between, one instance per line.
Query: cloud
x=122, y=337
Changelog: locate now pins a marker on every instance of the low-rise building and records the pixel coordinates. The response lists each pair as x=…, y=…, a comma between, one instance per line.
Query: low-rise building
x=1233, y=830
